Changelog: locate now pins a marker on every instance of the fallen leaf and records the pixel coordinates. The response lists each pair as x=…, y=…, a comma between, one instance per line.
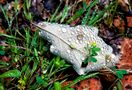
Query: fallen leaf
x=66, y=83
x=126, y=50
x=88, y=1
x=5, y=58
x=2, y=1
x=2, y=31
x=129, y=21
x=89, y=84
x=119, y=24
x=124, y=5
x=127, y=82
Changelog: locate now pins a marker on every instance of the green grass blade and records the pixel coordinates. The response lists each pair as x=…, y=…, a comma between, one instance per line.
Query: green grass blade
x=57, y=86
x=119, y=85
x=77, y=14
x=99, y=15
x=5, y=13
x=87, y=16
x=96, y=18
x=1, y=86
x=10, y=36
x=11, y=73
x=82, y=77
x=55, y=14
x=65, y=13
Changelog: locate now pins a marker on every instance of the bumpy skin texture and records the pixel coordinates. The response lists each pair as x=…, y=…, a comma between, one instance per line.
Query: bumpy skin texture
x=69, y=42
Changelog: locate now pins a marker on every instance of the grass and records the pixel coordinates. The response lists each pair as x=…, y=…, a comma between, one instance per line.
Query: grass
x=29, y=67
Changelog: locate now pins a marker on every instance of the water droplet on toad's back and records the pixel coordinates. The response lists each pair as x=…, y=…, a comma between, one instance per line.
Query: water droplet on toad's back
x=64, y=30
x=76, y=41
x=69, y=39
x=85, y=32
x=40, y=24
x=57, y=52
x=78, y=29
x=48, y=37
x=72, y=33
x=82, y=58
x=81, y=42
x=59, y=29
x=52, y=47
x=68, y=51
